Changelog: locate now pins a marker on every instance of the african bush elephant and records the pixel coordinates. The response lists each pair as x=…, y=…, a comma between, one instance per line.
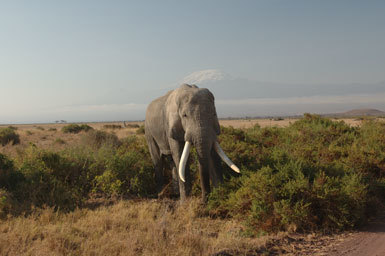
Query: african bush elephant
x=183, y=117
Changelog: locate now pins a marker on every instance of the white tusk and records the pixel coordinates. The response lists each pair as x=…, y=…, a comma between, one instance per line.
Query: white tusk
x=225, y=159
x=183, y=160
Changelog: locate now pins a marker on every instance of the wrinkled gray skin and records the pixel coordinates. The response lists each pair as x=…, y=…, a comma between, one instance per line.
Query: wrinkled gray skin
x=185, y=114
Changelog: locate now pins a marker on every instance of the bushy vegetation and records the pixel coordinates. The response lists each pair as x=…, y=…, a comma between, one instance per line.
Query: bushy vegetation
x=316, y=174
x=76, y=128
x=8, y=135
x=96, y=138
x=128, y=125
x=140, y=130
x=112, y=126
x=66, y=179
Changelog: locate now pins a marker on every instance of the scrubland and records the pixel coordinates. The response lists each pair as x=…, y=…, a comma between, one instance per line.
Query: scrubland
x=91, y=191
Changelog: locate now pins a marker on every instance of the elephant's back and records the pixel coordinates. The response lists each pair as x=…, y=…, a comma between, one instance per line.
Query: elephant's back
x=155, y=123
x=155, y=108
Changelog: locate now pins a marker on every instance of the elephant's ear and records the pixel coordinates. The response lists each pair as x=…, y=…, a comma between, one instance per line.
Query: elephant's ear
x=217, y=127
x=175, y=127
x=174, y=122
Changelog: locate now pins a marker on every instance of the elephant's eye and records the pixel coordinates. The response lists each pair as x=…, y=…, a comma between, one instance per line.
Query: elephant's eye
x=184, y=115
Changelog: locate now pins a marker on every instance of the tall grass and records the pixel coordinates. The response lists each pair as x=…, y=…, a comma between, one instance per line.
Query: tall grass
x=126, y=228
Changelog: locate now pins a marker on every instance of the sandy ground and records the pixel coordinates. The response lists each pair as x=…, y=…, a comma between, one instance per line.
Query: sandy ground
x=369, y=241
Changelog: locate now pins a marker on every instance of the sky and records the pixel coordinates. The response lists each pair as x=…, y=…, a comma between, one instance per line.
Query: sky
x=96, y=60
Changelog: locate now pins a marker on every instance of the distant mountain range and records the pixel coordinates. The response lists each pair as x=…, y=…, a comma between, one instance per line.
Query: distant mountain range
x=241, y=97
x=224, y=86
x=363, y=112
x=244, y=97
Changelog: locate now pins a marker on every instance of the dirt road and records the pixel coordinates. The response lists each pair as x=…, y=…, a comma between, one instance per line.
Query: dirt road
x=369, y=241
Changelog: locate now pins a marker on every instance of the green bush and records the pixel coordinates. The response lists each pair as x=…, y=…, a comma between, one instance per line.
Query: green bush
x=112, y=126
x=127, y=171
x=52, y=179
x=67, y=178
x=96, y=138
x=140, y=130
x=314, y=174
x=285, y=199
x=9, y=176
x=76, y=128
x=7, y=204
x=9, y=180
x=131, y=125
x=59, y=141
x=8, y=135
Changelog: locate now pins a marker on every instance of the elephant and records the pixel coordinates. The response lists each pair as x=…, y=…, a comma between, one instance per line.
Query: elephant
x=182, y=118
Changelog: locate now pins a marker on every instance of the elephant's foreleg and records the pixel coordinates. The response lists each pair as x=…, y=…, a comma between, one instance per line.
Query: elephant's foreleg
x=204, y=165
x=216, y=173
x=184, y=187
x=175, y=181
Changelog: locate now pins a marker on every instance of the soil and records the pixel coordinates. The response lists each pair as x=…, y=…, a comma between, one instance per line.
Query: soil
x=367, y=241
x=370, y=240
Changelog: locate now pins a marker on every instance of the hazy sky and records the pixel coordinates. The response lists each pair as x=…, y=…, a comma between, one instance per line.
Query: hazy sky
x=58, y=57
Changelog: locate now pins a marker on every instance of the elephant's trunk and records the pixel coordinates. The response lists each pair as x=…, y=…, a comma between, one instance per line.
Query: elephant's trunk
x=203, y=145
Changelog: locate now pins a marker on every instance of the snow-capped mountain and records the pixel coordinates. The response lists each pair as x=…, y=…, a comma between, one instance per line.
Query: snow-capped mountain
x=227, y=87
x=205, y=76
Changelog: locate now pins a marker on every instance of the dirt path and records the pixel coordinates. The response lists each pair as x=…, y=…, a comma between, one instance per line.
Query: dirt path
x=370, y=241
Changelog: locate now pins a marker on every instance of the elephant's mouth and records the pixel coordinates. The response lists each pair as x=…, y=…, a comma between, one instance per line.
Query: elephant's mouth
x=217, y=148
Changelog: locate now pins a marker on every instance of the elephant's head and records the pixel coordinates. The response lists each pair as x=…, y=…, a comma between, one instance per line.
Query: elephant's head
x=193, y=119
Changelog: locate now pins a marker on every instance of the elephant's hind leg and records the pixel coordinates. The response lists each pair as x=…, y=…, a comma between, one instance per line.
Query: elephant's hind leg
x=158, y=162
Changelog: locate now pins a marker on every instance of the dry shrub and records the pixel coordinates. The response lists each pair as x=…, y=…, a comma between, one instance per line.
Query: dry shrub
x=59, y=141
x=140, y=130
x=76, y=128
x=8, y=135
x=96, y=138
x=131, y=125
x=112, y=126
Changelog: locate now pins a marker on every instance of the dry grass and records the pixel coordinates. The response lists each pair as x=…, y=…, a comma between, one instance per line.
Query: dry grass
x=126, y=228
x=50, y=136
x=247, y=123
